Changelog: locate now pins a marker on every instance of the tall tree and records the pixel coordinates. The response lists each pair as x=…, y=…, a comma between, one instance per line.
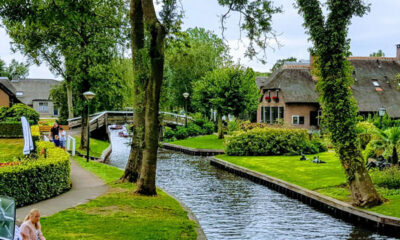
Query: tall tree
x=15, y=70
x=149, y=52
x=331, y=47
x=84, y=33
x=189, y=56
x=229, y=90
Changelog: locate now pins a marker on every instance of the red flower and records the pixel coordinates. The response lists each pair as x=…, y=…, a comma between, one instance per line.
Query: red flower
x=9, y=164
x=274, y=97
x=267, y=97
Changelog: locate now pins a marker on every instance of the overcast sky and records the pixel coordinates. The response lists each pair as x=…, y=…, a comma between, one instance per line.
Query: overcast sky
x=380, y=29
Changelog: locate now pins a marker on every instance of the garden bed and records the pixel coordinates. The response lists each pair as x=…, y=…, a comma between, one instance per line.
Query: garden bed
x=119, y=214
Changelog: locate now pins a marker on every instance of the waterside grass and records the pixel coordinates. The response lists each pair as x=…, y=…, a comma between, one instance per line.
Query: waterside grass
x=202, y=142
x=120, y=214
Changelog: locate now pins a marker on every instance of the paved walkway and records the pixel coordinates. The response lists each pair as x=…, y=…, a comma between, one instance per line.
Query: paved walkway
x=85, y=186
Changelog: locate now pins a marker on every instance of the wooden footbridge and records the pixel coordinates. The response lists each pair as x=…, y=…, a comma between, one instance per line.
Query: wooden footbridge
x=102, y=119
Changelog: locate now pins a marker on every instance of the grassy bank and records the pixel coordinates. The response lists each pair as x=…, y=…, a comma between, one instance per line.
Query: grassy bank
x=120, y=214
x=97, y=147
x=328, y=179
x=11, y=149
x=202, y=142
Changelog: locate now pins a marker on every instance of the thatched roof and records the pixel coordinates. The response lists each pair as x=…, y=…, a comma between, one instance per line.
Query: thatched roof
x=6, y=86
x=297, y=85
x=33, y=88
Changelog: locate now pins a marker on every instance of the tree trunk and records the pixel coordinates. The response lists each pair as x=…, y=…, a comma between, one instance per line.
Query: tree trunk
x=84, y=119
x=69, y=100
x=361, y=186
x=147, y=180
x=395, y=157
x=220, y=126
x=133, y=167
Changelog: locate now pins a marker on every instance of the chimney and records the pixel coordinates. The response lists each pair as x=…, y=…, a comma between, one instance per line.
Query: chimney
x=398, y=52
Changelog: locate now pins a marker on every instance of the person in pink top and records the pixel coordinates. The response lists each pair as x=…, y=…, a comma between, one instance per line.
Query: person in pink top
x=31, y=229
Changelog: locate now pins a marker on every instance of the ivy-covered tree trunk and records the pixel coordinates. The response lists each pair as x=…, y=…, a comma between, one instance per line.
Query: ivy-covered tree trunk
x=69, y=100
x=133, y=167
x=395, y=156
x=84, y=124
x=220, y=126
x=334, y=72
x=147, y=183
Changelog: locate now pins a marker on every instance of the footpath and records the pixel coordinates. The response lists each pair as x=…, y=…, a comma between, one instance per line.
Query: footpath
x=85, y=186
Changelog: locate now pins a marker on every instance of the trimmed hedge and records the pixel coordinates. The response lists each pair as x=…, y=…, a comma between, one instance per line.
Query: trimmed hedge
x=11, y=129
x=272, y=141
x=35, y=180
x=18, y=110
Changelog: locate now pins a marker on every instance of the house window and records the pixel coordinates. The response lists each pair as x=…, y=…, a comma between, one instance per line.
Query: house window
x=315, y=117
x=43, y=107
x=297, y=120
x=271, y=114
x=19, y=93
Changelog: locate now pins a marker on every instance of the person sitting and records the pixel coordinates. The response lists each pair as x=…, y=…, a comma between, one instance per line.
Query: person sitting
x=31, y=229
x=303, y=157
x=316, y=160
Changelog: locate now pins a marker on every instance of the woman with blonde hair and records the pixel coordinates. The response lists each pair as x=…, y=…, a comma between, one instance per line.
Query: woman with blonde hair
x=31, y=229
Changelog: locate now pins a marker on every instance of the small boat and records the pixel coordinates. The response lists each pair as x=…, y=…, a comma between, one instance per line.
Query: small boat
x=116, y=127
x=123, y=134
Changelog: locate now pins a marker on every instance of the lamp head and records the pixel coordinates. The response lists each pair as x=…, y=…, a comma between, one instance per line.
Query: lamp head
x=185, y=95
x=89, y=95
x=382, y=111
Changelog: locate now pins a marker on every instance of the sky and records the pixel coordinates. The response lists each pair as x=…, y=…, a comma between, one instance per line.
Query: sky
x=379, y=29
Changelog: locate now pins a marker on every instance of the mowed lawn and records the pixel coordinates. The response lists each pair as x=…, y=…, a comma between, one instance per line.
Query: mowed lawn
x=328, y=178
x=97, y=147
x=11, y=149
x=120, y=214
x=202, y=142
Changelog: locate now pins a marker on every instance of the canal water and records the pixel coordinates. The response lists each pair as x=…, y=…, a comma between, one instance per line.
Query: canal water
x=231, y=207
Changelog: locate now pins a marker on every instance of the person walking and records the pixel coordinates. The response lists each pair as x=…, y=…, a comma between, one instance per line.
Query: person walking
x=31, y=229
x=63, y=138
x=55, y=134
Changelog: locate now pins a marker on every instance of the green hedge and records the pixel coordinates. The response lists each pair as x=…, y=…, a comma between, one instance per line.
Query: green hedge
x=11, y=129
x=35, y=180
x=272, y=141
x=18, y=110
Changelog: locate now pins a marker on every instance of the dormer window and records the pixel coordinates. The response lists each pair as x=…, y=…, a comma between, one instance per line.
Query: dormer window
x=19, y=94
x=376, y=83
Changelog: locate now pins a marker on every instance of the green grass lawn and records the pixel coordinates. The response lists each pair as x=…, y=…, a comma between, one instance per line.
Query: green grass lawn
x=328, y=179
x=11, y=149
x=120, y=214
x=202, y=142
x=97, y=147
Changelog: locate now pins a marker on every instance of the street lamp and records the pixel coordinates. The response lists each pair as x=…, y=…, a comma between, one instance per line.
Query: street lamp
x=381, y=112
x=186, y=95
x=89, y=96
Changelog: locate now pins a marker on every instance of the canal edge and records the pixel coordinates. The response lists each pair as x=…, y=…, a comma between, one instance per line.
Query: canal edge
x=192, y=151
x=200, y=232
x=379, y=222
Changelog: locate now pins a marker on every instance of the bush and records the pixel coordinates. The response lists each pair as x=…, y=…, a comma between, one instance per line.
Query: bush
x=233, y=126
x=366, y=131
x=169, y=133
x=208, y=128
x=15, y=113
x=270, y=141
x=11, y=129
x=181, y=133
x=194, y=130
x=319, y=144
x=35, y=180
x=388, y=178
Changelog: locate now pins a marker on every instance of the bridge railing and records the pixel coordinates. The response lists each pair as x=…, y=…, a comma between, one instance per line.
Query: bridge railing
x=175, y=118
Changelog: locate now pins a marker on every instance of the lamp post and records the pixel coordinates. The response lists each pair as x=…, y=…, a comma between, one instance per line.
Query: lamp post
x=381, y=112
x=186, y=95
x=89, y=96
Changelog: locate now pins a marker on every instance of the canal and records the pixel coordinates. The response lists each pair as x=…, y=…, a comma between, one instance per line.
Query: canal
x=231, y=207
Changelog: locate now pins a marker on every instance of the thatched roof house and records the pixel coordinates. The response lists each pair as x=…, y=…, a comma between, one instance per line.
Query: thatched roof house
x=7, y=93
x=289, y=93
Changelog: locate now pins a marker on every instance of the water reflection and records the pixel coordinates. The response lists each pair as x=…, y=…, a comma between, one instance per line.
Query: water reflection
x=231, y=207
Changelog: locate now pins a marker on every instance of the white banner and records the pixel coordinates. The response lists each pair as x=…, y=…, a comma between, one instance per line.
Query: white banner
x=26, y=129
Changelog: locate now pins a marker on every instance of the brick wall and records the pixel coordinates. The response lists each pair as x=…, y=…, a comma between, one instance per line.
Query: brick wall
x=300, y=110
x=4, y=99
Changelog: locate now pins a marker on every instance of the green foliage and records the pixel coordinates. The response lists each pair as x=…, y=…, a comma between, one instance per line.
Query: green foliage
x=181, y=133
x=169, y=133
x=194, y=130
x=388, y=178
x=188, y=58
x=10, y=129
x=35, y=180
x=229, y=90
x=366, y=132
x=379, y=53
x=386, y=122
x=280, y=63
x=233, y=126
x=15, y=70
x=271, y=141
x=202, y=142
x=14, y=113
